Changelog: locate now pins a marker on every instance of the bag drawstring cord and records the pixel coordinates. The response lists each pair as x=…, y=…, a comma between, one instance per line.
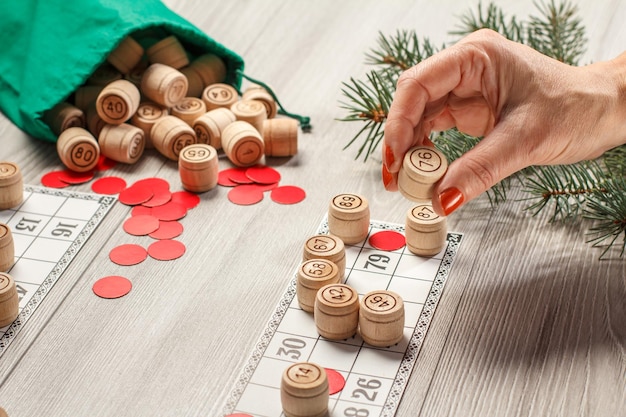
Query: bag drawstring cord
x=305, y=121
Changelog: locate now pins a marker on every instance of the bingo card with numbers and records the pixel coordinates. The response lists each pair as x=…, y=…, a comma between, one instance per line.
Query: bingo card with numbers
x=48, y=228
x=375, y=377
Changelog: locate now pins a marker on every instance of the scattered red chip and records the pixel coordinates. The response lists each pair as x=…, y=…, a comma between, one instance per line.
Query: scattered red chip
x=167, y=230
x=238, y=176
x=245, y=195
x=141, y=210
x=166, y=250
x=51, y=180
x=108, y=185
x=186, y=199
x=263, y=174
x=105, y=163
x=141, y=225
x=133, y=196
x=388, y=240
x=72, y=177
x=127, y=255
x=154, y=183
x=169, y=212
x=266, y=187
x=159, y=198
x=288, y=194
x=224, y=180
x=112, y=287
x=336, y=381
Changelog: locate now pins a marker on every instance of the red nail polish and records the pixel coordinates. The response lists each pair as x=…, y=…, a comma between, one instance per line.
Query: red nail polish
x=451, y=199
x=389, y=158
x=387, y=177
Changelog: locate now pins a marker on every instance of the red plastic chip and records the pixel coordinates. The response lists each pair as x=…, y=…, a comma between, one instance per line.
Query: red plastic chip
x=238, y=176
x=288, y=194
x=263, y=174
x=141, y=225
x=51, y=180
x=141, y=210
x=224, y=180
x=186, y=199
x=388, y=240
x=128, y=254
x=105, y=163
x=72, y=177
x=159, y=198
x=245, y=195
x=133, y=196
x=169, y=212
x=167, y=230
x=154, y=183
x=108, y=185
x=112, y=286
x=166, y=250
x=336, y=381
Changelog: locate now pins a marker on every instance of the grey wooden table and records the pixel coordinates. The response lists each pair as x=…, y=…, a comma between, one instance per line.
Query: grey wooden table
x=530, y=322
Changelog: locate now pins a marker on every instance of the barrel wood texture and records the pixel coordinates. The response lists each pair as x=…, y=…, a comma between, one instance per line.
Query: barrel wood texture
x=126, y=55
x=209, y=126
x=381, y=318
x=78, y=149
x=349, y=217
x=118, y=102
x=336, y=311
x=210, y=68
x=259, y=93
x=189, y=109
x=304, y=390
x=242, y=143
x=219, y=95
x=11, y=185
x=164, y=84
x=168, y=51
x=104, y=75
x=280, y=137
x=146, y=116
x=170, y=135
x=422, y=167
x=195, y=85
x=7, y=248
x=9, y=300
x=198, y=167
x=122, y=143
x=327, y=247
x=250, y=111
x=63, y=116
x=426, y=232
x=313, y=275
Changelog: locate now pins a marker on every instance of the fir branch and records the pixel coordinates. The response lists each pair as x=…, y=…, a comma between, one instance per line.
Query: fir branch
x=453, y=144
x=608, y=210
x=558, y=32
x=615, y=161
x=567, y=187
x=400, y=52
x=369, y=103
x=492, y=18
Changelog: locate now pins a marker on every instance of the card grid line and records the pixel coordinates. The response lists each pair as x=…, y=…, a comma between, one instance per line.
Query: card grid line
x=104, y=205
x=407, y=361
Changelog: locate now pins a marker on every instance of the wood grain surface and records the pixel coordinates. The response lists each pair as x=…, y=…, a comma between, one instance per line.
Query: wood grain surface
x=531, y=323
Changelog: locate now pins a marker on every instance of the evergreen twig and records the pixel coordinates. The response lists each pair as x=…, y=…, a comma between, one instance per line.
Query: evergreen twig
x=594, y=190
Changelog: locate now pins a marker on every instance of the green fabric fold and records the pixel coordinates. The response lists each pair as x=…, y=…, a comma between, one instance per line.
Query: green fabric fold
x=48, y=48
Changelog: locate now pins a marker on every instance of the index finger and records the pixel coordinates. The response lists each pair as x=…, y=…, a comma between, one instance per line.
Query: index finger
x=430, y=80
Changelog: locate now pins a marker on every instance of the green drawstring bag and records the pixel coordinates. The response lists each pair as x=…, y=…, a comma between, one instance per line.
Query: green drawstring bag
x=48, y=48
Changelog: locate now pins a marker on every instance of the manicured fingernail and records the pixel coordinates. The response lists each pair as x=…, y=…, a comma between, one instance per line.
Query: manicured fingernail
x=387, y=177
x=451, y=199
x=389, y=158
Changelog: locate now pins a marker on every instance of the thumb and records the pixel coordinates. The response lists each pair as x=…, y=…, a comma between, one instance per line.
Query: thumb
x=494, y=158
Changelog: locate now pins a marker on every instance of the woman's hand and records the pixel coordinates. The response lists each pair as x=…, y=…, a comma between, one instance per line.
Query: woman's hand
x=531, y=110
